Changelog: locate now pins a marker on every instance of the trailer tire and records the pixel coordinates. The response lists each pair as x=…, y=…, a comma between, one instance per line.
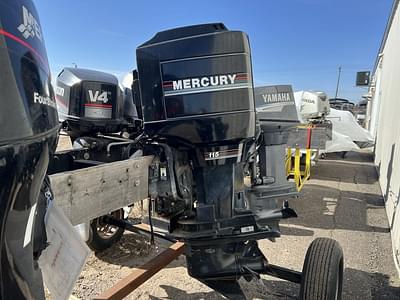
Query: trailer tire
x=322, y=276
x=103, y=236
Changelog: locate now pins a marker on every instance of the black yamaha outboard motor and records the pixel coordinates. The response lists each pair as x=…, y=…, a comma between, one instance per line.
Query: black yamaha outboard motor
x=196, y=90
x=28, y=136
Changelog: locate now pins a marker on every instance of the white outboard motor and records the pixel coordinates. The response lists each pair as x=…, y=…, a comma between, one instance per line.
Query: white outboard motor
x=312, y=105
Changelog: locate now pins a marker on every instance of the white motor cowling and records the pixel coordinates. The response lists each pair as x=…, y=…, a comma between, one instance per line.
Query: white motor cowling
x=312, y=105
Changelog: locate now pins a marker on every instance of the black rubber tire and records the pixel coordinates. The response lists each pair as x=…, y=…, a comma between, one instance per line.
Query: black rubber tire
x=96, y=241
x=322, y=276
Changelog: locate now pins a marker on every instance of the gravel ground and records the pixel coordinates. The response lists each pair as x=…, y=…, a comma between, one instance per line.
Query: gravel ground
x=342, y=201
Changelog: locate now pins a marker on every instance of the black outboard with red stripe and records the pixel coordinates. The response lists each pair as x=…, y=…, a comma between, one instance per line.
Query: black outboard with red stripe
x=28, y=135
x=91, y=101
x=199, y=116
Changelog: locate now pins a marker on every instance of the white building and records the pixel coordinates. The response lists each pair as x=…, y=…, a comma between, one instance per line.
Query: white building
x=383, y=121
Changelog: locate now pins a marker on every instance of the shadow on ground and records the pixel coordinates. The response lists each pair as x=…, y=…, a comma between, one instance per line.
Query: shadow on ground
x=363, y=157
x=285, y=230
x=326, y=206
x=354, y=168
x=356, y=285
x=331, y=208
x=175, y=293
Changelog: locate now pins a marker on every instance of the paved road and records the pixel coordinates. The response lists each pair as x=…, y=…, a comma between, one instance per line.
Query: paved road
x=341, y=201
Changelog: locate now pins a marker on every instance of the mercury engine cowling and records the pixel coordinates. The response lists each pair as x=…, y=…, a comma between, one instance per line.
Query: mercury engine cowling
x=28, y=135
x=196, y=90
x=91, y=101
x=196, y=86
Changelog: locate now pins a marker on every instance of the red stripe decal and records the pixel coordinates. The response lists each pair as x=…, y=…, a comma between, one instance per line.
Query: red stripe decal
x=25, y=44
x=98, y=105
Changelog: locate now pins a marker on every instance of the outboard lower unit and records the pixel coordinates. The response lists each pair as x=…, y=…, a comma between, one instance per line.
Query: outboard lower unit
x=207, y=178
x=28, y=138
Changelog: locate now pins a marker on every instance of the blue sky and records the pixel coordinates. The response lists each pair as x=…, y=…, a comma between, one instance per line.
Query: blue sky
x=298, y=42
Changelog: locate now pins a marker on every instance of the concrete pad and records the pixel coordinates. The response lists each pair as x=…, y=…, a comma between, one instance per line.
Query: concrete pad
x=341, y=201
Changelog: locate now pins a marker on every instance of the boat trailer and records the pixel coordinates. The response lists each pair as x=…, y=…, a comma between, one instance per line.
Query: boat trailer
x=143, y=273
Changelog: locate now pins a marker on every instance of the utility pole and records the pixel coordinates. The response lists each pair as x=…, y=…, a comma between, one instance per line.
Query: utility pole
x=338, y=81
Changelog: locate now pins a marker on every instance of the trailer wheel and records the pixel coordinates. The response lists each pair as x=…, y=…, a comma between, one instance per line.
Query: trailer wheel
x=322, y=276
x=102, y=235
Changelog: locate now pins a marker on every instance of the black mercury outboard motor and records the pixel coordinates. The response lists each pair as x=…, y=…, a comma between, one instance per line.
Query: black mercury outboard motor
x=98, y=114
x=28, y=136
x=91, y=101
x=198, y=105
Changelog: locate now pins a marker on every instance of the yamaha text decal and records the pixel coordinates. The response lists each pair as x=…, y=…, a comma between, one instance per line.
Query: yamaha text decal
x=278, y=97
x=206, y=84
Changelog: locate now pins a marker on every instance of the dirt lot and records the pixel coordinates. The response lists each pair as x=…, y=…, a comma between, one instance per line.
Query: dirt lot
x=341, y=201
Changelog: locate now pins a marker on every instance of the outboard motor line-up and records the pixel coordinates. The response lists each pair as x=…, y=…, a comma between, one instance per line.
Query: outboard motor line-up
x=28, y=138
x=215, y=154
x=217, y=179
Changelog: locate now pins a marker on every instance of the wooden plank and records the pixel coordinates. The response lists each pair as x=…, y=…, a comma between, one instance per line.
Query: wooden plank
x=127, y=285
x=95, y=191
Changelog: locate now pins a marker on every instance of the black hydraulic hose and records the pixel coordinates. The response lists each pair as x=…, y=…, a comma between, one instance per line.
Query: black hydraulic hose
x=136, y=141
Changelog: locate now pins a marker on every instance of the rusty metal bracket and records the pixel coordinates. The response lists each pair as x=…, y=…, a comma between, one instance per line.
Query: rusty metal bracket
x=125, y=286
